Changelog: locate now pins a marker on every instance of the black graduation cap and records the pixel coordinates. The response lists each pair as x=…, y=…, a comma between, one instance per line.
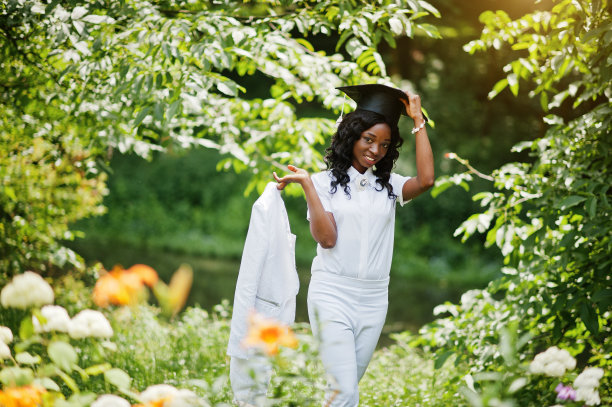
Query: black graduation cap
x=380, y=99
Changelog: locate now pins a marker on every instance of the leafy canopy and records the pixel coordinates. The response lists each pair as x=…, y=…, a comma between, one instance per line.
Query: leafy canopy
x=84, y=78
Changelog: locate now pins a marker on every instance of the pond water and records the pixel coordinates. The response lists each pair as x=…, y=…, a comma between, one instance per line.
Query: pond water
x=410, y=301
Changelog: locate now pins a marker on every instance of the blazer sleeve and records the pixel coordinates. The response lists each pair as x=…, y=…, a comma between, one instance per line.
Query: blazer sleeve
x=251, y=266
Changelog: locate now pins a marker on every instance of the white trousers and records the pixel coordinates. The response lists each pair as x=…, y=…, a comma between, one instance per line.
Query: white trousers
x=249, y=379
x=347, y=316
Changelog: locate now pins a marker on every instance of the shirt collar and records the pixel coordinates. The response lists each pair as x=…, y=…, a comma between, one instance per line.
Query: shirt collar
x=356, y=177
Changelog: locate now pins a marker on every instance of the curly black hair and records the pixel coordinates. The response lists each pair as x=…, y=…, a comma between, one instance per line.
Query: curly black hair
x=339, y=155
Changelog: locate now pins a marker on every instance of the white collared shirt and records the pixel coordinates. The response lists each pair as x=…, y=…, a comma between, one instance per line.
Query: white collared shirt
x=365, y=224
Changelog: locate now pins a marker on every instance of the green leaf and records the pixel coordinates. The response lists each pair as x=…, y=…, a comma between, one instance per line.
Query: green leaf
x=173, y=109
x=47, y=383
x=434, y=11
x=69, y=381
x=98, y=369
x=592, y=206
x=16, y=376
x=118, y=378
x=602, y=295
x=143, y=113
x=63, y=355
x=26, y=328
x=570, y=201
x=396, y=25
x=498, y=87
x=589, y=317
x=25, y=358
x=227, y=88
x=441, y=359
x=513, y=82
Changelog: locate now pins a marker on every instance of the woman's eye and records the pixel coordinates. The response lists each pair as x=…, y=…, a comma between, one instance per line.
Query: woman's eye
x=385, y=146
x=367, y=139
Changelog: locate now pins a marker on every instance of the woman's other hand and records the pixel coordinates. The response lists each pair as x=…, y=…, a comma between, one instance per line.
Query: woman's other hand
x=297, y=175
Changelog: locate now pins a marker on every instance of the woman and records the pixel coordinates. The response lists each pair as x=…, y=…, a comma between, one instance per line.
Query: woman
x=351, y=209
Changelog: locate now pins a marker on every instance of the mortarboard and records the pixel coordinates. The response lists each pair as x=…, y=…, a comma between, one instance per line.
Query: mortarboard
x=378, y=98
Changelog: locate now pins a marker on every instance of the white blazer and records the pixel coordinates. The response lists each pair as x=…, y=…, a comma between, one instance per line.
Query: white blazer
x=267, y=281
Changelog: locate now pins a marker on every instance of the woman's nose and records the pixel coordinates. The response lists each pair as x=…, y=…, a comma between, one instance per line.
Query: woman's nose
x=374, y=148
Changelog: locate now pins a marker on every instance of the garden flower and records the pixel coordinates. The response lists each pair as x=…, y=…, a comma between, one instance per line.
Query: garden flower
x=268, y=335
x=26, y=290
x=26, y=396
x=90, y=323
x=122, y=287
x=179, y=287
x=110, y=400
x=5, y=353
x=6, y=336
x=147, y=275
x=553, y=362
x=450, y=156
x=586, y=385
x=164, y=395
x=57, y=319
x=565, y=392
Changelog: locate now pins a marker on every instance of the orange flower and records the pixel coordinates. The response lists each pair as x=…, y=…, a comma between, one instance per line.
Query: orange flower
x=450, y=156
x=122, y=287
x=156, y=403
x=268, y=335
x=147, y=275
x=26, y=396
x=109, y=290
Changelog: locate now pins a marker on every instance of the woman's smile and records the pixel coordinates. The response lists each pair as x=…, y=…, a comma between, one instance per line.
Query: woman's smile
x=371, y=147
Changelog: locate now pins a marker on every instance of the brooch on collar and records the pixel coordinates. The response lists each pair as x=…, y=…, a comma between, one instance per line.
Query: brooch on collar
x=363, y=183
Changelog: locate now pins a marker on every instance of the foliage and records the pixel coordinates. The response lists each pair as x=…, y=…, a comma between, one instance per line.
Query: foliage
x=82, y=78
x=48, y=181
x=548, y=218
x=46, y=348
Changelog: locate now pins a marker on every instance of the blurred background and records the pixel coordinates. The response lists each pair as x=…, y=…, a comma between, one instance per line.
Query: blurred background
x=178, y=208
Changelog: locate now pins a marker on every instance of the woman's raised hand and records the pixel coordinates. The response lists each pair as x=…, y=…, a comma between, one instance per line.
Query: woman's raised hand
x=297, y=175
x=414, y=107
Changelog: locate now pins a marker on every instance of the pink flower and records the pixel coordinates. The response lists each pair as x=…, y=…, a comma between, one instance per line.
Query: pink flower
x=565, y=392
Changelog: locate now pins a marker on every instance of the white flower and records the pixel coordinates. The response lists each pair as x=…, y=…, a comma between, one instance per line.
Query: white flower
x=6, y=336
x=5, y=352
x=587, y=375
x=57, y=319
x=26, y=290
x=586, y=385
x=90, y=323
x=157, y=392
x=553, y=362
x=110, y=400
x=554, y=369
x=174, y=397
x=589, y=395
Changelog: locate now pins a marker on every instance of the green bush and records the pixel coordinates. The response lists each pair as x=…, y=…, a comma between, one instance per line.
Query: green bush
x=48, y=181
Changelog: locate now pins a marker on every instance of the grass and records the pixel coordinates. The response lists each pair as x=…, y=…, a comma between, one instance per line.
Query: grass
x=189, y=352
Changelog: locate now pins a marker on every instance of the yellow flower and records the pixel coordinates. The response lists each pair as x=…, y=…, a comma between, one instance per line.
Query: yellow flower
x=268, y=335
x=179, y=287
x=26, y=396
